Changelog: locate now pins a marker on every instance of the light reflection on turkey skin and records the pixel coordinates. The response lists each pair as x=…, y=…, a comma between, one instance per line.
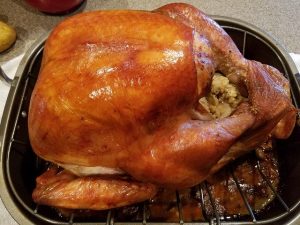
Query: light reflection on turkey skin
x=122, y=94
x=113, y=88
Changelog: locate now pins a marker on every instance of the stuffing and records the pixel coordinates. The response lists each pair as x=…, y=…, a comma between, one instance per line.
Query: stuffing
x=223, y=98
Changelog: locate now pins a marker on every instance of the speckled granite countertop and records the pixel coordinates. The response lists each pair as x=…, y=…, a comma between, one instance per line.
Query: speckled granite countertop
x=280, y=18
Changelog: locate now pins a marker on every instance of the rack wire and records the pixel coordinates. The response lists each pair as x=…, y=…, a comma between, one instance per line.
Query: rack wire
x=110, y=218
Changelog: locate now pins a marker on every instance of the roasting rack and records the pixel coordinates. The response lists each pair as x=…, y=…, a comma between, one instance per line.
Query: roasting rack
x=17, y=156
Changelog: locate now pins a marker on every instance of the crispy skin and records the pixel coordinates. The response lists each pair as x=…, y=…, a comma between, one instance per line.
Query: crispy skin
x=226, y=56
x=63, y=189
x=120, y=89
x=267, y=89
x=100, y=88
x=182, y=153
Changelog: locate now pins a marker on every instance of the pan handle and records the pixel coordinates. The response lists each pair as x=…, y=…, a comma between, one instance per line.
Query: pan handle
x=4, y=76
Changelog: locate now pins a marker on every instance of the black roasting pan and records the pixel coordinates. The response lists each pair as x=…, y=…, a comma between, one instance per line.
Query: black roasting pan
x=19, y=166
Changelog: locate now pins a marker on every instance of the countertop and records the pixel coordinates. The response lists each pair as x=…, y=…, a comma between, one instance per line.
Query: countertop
x=280, y=18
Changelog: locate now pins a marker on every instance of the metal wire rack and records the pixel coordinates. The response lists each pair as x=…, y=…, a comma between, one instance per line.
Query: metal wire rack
x=19, y=145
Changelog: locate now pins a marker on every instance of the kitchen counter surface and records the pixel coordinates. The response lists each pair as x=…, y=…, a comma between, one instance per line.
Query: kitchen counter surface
x=280, y=18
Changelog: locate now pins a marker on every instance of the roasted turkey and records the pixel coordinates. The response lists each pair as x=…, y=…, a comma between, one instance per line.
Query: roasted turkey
x=116, y=105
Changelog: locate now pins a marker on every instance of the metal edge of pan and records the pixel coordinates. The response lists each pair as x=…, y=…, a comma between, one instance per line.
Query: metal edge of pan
x=5, y=194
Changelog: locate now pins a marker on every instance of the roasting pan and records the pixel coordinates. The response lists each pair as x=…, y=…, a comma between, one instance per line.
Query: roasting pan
x=20, y=167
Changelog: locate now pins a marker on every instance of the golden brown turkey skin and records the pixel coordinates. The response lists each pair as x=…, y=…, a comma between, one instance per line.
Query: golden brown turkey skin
x=118, y=91
x=63, y=189
x=101, y=88
x=268, y=90
x=182, y=153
